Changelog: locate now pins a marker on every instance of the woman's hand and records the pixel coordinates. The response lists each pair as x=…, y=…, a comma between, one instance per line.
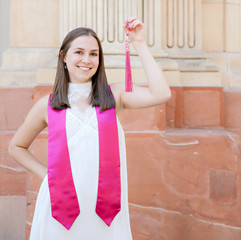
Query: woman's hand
x=136, y=30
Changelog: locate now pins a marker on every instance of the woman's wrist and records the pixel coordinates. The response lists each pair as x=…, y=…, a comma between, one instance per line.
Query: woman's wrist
x=139, y=44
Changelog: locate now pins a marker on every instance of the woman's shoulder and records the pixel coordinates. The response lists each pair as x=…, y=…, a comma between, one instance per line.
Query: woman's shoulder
x=43, y=102
x=41, y=106
x=117, y=89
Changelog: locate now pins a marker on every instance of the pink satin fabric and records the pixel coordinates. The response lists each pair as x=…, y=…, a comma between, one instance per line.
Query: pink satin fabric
x=64, y=201
x=109, y=187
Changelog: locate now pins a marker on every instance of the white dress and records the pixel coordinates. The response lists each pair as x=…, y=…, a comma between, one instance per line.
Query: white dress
x=83, y=144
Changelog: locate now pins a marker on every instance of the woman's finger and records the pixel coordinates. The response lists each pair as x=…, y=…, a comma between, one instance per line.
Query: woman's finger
x=135, y=24
x=129, y=21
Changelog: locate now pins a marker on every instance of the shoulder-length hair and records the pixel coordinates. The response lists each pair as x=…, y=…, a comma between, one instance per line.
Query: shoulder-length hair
x=100, y=94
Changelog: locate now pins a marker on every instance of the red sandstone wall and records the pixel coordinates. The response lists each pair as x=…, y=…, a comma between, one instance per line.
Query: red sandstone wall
x=184, y=182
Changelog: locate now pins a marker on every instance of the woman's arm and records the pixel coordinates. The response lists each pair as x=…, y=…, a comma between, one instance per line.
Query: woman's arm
x=158, y=90
x=34, y=123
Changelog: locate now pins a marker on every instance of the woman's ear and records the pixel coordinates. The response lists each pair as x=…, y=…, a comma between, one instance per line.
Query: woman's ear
x=61, y=55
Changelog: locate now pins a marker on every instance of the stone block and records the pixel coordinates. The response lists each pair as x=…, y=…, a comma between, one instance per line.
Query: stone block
x=41, y=91
x=12, y=182
x=46, y=76
x=34, y=23
x=14, y=106
x=39, y=149
x=225, y=81
x=197, y=65
x=220, y=59
x=139, y=77
x=172, y=77
x=235, y=81
x=12, y=217
x=235, y=63
x=201, y=79
x=171, y=172
x=232, y=109
x=144, y=167
x=233, y=23
x=28, y=229
x=31, y=201
x=12, y=175
x=149, y=223
x=203, y=107
x=170, y=110
x=212, y=26
x=6, y=160
x=174, y=108
x=17, y=78
x=118, y=75
x=145, y=119
x=222, y=185
x=28, y=59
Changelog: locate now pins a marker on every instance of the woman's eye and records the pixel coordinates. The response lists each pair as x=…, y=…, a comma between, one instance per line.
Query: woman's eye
x=94, y=54
x=79, y=52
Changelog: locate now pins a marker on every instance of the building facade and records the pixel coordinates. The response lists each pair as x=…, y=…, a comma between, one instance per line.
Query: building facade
x=185, y=181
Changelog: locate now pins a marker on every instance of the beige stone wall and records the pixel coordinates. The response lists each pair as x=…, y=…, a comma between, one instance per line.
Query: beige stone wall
x=222, y=38
x=206, y=30
x=4, y=27
x=34, y=24
x=189, y=145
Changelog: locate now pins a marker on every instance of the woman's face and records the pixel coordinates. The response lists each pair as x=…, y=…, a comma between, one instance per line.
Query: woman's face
x=82, y=59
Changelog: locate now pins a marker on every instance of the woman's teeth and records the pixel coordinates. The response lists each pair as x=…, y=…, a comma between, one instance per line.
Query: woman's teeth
x=84, y=68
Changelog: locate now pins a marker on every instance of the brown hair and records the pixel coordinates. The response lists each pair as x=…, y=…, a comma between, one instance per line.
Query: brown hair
x=100, y=94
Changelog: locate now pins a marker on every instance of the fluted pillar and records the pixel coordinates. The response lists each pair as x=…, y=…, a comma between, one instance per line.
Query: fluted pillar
x=182, y=23
x=106, y=17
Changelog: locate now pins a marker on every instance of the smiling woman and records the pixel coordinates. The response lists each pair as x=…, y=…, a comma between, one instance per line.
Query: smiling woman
x=84, y=194
x=82, y=59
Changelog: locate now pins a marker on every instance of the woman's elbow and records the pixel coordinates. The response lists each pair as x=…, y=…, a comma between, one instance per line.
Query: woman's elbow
x=165, y=97
x=11, y=148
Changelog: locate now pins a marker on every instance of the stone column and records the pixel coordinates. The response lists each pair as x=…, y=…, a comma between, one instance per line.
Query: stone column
x=182, y=40
x=34, y=39
x=106, y=17
x=182, y=24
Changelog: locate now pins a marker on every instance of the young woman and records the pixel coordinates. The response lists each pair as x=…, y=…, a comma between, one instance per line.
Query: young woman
x=81, y=188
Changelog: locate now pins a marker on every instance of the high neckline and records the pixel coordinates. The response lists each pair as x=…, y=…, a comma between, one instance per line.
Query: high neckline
x=84, y=88
x=80, y=85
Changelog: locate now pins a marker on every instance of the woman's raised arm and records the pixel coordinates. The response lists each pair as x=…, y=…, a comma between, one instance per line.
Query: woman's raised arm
x=158, y=90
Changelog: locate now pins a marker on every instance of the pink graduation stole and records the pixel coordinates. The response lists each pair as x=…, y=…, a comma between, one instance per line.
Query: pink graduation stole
x=63, y=197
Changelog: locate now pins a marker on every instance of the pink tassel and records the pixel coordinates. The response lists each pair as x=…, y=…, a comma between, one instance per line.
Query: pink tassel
x=128, y=78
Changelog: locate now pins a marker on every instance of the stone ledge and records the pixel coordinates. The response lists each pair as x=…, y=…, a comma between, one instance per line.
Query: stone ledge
x=17, y=78
x=28, y=59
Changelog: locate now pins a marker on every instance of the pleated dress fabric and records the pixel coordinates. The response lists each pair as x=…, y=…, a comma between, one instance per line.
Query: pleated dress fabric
x=83, y=144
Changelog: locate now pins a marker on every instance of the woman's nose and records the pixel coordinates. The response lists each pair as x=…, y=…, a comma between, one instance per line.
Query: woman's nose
x=86, y=58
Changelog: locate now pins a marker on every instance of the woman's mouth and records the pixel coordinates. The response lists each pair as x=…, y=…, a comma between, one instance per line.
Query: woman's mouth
x=84, y=68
